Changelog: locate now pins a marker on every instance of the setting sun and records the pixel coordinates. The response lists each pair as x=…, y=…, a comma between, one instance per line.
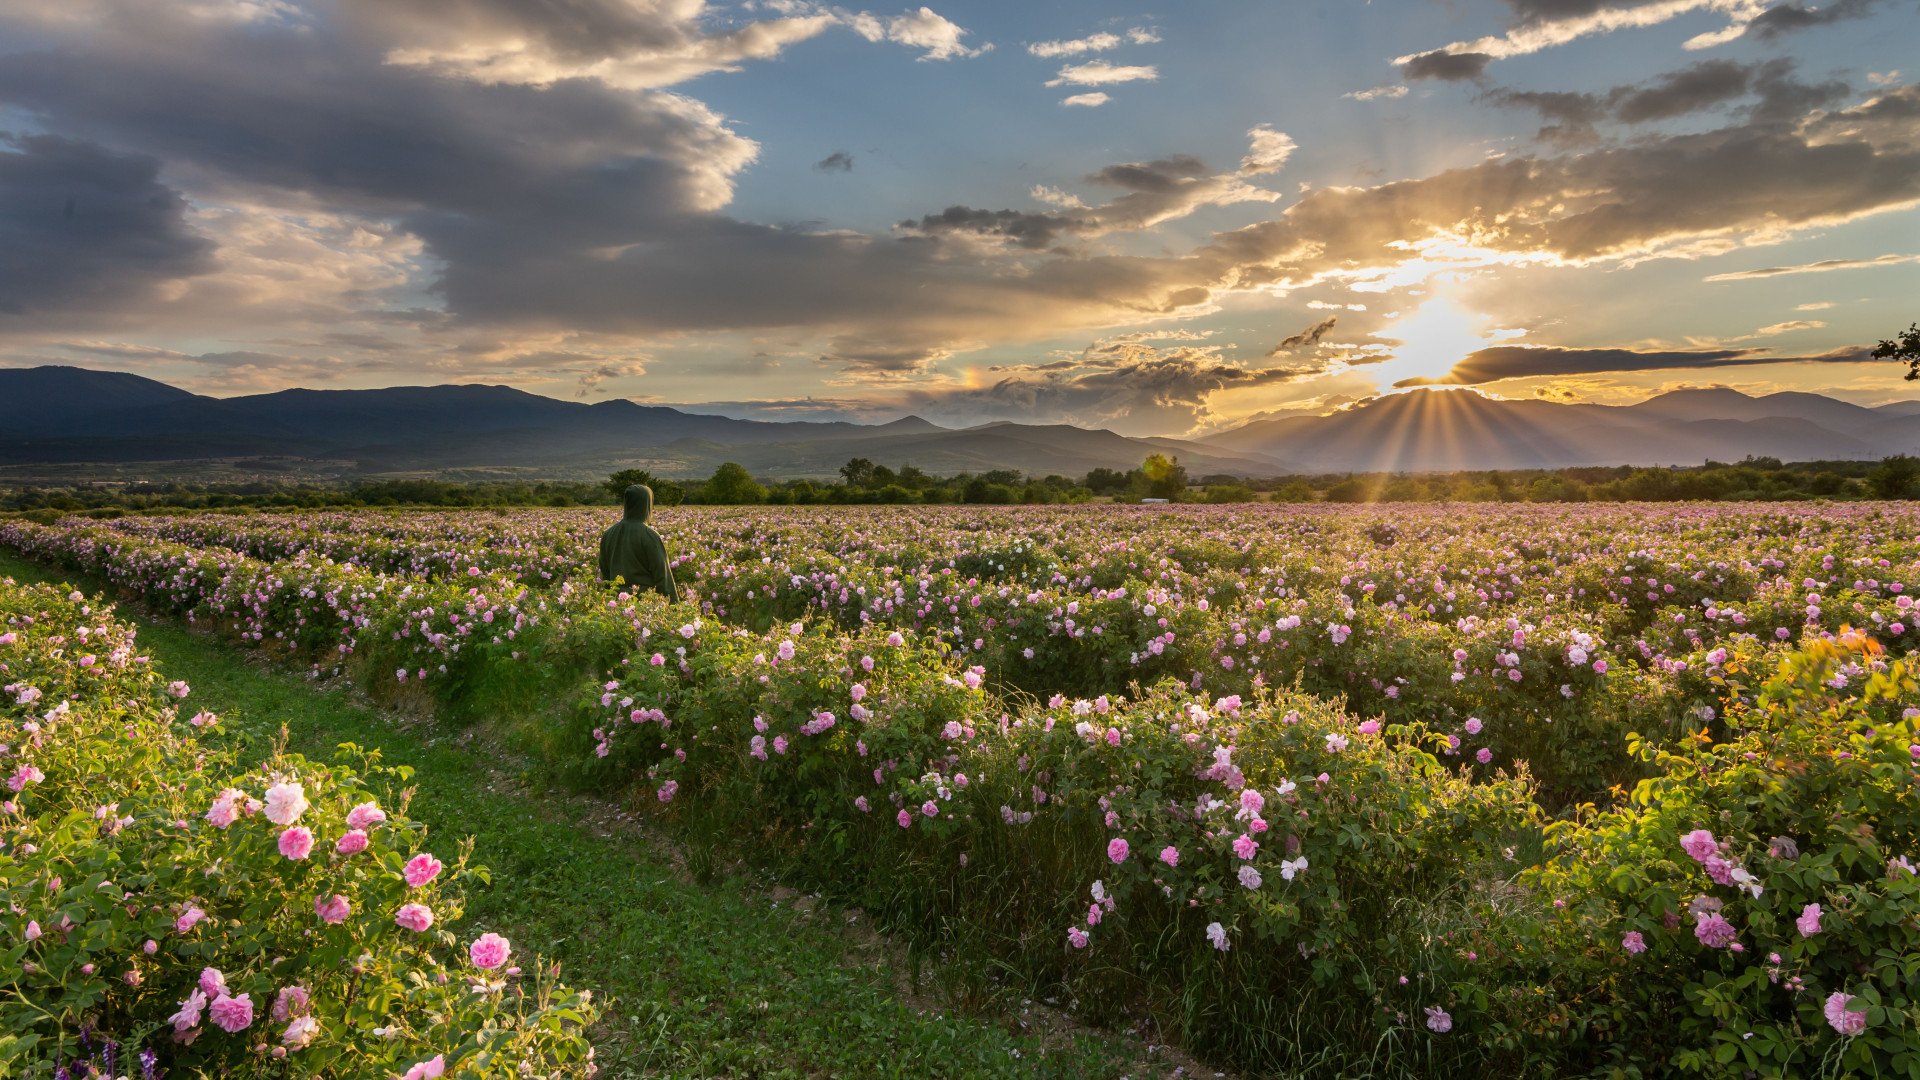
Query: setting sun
x=1428, y=342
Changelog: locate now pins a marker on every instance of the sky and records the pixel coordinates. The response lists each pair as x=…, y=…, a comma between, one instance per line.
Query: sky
x=1163, y=221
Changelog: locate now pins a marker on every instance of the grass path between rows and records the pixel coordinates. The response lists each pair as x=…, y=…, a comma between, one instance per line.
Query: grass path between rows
x=704, y=981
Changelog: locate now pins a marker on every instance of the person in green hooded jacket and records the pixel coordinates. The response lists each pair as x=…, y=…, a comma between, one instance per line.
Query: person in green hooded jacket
x=633, y=553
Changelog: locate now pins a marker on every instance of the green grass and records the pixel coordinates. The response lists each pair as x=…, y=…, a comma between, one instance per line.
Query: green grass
x=705, y=980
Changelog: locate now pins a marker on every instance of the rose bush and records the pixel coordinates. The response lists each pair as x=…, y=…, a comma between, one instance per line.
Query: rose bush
x=169, y=911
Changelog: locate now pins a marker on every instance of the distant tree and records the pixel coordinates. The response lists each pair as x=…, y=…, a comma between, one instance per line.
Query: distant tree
x=1905, y=349
x=1106, y=481
x=858, y=472
x=1165, y=476
x=1229, y=493
x=912, y=476
x=619, y=482
x=732, y=483
x=1895, y=477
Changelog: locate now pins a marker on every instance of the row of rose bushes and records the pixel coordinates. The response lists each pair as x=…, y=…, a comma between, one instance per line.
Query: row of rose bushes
x=1420, y=630
x=1262, y=874
x=168, y=912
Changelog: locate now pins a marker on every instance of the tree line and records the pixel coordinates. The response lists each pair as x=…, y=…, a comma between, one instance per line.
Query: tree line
x=1158, y=477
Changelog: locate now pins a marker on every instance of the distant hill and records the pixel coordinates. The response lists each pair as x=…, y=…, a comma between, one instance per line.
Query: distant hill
x=1446, y=430
x=76, y=418
x=69, y=416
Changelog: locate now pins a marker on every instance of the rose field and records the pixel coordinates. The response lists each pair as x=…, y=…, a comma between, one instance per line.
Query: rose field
x=1628, y=790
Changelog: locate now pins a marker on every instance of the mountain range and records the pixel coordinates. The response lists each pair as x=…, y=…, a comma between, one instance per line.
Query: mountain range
x=75, y=419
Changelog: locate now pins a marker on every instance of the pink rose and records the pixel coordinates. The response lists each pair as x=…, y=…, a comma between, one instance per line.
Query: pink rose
x=428, y=1069
x=333, y=910
x=187, y=919
x=1809, y=920
x=1845, y=1020
x=365, y=816
x=290, y=1002
x=421, y=869
x=489, y=951
x=212, y=983
x=1633, y=942
x=300, y=1032
x=1171, y=855
x=297, y=842
x=351, y=843
x=1699, y=845
x=189, y=1014
x=231, y=1014
x=285, y=803
x=414, y=917
x=1117, y=849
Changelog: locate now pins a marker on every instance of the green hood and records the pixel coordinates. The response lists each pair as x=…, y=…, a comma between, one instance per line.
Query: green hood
x=639, y=499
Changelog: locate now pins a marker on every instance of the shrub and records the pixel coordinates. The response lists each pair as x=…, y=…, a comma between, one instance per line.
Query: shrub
x=1756, y=899
x=169, y=910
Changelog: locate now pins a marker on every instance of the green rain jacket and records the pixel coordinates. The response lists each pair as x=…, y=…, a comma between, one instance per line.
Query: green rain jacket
x=632, y=552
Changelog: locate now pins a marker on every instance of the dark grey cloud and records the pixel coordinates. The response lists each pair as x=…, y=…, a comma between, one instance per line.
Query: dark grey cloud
x=1538, y=11
x=1789, y=18
x=1780, y=96
x=1449, y=66
x=1310, y=336
x=1157, y=390
x=838, y=161
x=1033, y=229
x=1690, y=89
x=1158, y=177
x=82, y=226
x=1888, y=119
x=1534, y=361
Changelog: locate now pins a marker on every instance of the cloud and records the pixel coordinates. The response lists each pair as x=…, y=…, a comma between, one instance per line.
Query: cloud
x=1154, y=192
x=939, y=36
x=1449, y=66
x=1049, y=50
x=838, y=161
x=1680, y=92
x=1789, y=327
x=1891, y=118
x=1533, y=361
x=1130, y=387
x=1697, y=87
x=1163, y=175
x=1821, y=267
x=1090, y=101
x=1678, y=195
x=1024, y=228
x=1053, y=196
x=1378, y=93
x=1101, y=73
x=1310, y=336
x=628, y=44
x=1100, y=42
x=1790, y=18
x=881, y=357
x=1545, y=24
x=1268, y=152
x=83, y=227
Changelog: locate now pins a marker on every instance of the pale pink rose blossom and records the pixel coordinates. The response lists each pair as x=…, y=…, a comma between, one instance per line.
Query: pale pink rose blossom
x=414, y=917
x=285, y=803
x=1846, y=1021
